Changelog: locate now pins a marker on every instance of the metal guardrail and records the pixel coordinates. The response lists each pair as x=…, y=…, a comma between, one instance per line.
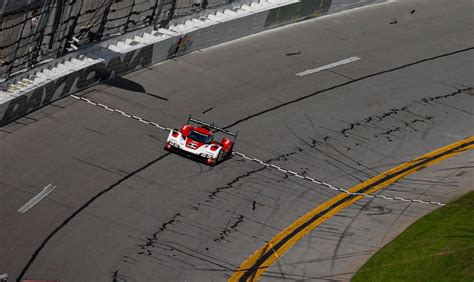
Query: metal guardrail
x=32, y=31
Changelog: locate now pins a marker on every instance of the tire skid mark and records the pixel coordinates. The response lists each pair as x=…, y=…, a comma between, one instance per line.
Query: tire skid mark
x=228, y=230
x=150, y=241
x=230, y=184
x=284, y=157
x=403, y=211
x=80, y=209
x=371, y=121
x=345, y=84
x=151, y=245
x=116, y=276
x=267, y=163
x=345, y=232
x=395, y=112
x=187, y=252
x=264, y=257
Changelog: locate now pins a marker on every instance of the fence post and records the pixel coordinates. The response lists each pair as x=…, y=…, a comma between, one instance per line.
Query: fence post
x=2, y=12
x=2, y=62
x=128, y=17
x=170, y=15
x=20, y=36
x=57, y=19
x=72, y=28
x=37, y=41
x=155, y=13
x=100, y=31
x=66, y=23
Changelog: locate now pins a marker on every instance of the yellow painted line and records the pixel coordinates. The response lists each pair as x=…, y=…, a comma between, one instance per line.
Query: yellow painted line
x=252, y=268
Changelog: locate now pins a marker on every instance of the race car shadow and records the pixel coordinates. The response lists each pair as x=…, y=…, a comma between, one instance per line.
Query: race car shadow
x=196, y=158
x=130, y=85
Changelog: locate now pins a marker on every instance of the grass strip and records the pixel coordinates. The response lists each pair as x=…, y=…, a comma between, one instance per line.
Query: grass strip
x=437, y=247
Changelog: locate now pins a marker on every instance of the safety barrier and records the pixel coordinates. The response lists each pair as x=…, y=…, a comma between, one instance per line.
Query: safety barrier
x=32, y=31
x=77, y=71
x=118, y=56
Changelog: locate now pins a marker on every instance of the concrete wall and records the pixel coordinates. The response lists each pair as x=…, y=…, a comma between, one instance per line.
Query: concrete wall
x=123, y=55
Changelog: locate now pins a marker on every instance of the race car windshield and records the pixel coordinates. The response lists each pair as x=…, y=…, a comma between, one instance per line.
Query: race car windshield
x=199, y=137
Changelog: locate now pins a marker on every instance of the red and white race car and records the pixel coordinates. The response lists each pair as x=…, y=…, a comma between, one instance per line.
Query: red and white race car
x=198, y=141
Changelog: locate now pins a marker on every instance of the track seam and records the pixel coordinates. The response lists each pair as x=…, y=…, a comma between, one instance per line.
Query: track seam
x=334, y=187
x=345, y=84
x=80, y=209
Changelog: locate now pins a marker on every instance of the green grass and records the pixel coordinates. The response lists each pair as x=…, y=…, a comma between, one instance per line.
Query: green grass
x=438, y=247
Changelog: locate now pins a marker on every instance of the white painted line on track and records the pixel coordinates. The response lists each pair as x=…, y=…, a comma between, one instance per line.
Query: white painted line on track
x=46, y=190
x=334, y=187
x=120, y=112
x=267, y=164
x=342, y=62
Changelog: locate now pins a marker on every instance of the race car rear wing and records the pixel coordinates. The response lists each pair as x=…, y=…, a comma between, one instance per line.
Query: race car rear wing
x=213, y=126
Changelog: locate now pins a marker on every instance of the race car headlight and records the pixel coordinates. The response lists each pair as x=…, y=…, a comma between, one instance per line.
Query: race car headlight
x=174, y=144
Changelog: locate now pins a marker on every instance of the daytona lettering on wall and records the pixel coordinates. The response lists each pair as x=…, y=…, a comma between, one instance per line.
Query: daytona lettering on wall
x=119, y=64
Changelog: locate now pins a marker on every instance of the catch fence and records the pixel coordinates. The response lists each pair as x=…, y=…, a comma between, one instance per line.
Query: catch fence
x=33, y=31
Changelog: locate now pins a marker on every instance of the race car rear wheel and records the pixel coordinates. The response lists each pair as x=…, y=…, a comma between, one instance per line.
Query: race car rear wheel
x=219, y=156
x=228, y=154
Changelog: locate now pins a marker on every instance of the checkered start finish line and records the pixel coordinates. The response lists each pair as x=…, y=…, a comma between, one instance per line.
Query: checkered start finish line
x=263, y=163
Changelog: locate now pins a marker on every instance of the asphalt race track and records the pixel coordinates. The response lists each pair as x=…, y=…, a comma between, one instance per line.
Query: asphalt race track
x=125, y=209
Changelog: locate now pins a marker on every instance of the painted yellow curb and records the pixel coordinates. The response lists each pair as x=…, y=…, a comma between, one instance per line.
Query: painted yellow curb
x=252, y=268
